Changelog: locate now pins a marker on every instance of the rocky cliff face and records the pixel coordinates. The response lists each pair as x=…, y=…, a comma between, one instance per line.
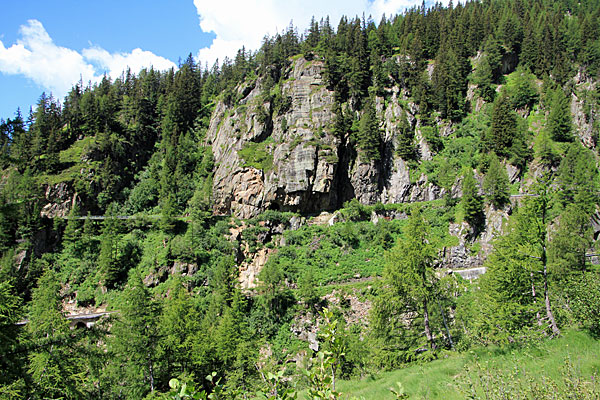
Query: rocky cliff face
x=298, y=140
x=584, y=112
x=303, y=166
x=59, y=199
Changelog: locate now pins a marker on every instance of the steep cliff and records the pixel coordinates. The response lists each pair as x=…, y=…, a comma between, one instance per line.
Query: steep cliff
x=287, y=157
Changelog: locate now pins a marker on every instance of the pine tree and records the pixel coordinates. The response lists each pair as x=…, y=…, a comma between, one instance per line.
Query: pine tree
x=11, y=362
x=134, y=365
x=409, y=270
x=369, y=135
x=54, y=365
x=472, y=203
x=560, y=125
x=405, y=139
x=495, y=183
x=504, y=127
x=578, y=178
x=483, y=79
x=570, y=241
x=108, y=262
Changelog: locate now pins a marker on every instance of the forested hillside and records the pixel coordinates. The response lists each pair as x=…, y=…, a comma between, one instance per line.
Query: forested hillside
x=312, y=206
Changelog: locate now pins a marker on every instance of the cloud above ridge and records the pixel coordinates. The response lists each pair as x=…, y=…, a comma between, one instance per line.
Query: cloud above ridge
x=245, y=23
x=56, y=68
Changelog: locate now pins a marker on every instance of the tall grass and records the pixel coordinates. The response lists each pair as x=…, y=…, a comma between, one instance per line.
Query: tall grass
x=551, y=364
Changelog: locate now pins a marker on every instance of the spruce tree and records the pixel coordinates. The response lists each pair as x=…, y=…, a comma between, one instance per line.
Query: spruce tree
x=11, y=362
x=134, y=365
x=483, y=79
x=495, y=183
x=560, y=124
x=472, y=203
x=369, y=133
x=409, y=271
x=504, y=127
x=449, y=84
x=54, y=365
x=108, y=262
x=405, y=139
x=578, y=179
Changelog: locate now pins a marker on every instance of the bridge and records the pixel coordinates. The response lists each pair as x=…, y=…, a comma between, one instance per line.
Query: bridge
x=80, y=321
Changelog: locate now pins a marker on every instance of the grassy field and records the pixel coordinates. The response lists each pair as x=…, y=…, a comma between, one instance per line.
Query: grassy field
x=442, y=378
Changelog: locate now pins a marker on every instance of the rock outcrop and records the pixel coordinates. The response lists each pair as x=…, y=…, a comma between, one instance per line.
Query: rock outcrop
x=472, y=250
x=280, y=152
x=584, y=113
x=59, y=200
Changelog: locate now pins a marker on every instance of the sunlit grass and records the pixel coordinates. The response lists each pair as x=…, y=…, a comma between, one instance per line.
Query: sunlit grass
x=441, y=379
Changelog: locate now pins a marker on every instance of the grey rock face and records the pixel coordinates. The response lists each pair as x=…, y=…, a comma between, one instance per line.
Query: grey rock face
x=303, y=151
x=312, y=170
x=465, y=254
x=59, y=200
x=584, y=121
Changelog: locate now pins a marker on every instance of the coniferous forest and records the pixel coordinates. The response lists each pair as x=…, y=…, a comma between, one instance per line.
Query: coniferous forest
x=365, y=196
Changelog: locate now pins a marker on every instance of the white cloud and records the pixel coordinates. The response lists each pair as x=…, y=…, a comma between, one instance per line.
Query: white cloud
x=238, y=23
x=115, y=64
x=57, y=68
x=38, y=58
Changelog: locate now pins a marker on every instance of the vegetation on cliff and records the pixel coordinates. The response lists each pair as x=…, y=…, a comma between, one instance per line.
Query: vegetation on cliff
x=126, y=197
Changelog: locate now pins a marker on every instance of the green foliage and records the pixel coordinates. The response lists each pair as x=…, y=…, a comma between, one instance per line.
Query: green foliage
x=54, y=365
x=545, y=149
x=369, y=133
x=108, y=257
x=450, y=83
x=483, y=78
x=257, y=155
x=578, y=178
x=276, y=297
x=335, y=253
x=405, y=146
x=322, y=368
x=504, y=127
x=10, y=363
x=140, y=142
x=492, y=384
x=133, y=364
x=523, y=90
x=457, y=151
x=585, y=300
x=559, y=123
x=355, y=211
x=495, y=183
x=515, y=289
x=399, y=392
x=306, y=289
x=448, y=377
x=409, y=274
x=471, y=202
x=570, y=241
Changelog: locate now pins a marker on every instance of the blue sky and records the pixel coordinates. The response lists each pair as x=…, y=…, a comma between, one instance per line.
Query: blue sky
x=48, y=45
